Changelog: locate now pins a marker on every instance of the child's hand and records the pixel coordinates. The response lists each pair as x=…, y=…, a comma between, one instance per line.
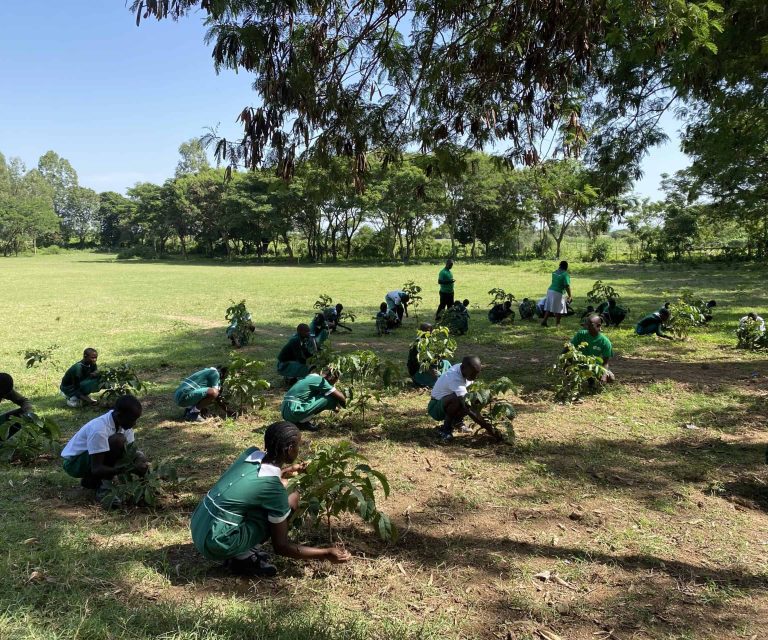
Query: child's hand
x=337, y=556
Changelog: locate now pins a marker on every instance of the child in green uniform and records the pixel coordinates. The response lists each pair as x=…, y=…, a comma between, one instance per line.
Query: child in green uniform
x=446, y=282
x=309, y=396
x=498, y=313
x=611, y=312
x=592, y=342
x=199, y=391
x=250, y=505
x=556, y=302
x=654, y=323
x=239, y=334
x=292, y=359
x=527, y=309
x=319, y=329
x=386, y=319
x=105, y=447
x=81, y=379
x=7, y=392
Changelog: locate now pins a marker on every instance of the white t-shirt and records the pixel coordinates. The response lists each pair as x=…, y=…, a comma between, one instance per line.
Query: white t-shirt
x=452, y=381
x=395, y=296
x=760, y=322
x=93, y=437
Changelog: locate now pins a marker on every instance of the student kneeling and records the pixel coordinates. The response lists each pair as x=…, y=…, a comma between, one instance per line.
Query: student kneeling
x=250, y=505
x=447, y=402
x=309, y=396
x=593, y=342
x=105, y=447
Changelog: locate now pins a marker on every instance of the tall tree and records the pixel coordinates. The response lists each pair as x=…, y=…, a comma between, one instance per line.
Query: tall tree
x=81, y=219
x=193, y=158
x=62, y=178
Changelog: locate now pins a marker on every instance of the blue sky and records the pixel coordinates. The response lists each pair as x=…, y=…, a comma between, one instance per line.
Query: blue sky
x=116, y=100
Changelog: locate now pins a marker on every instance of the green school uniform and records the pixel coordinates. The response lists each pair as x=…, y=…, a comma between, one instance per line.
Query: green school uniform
x=79, y=466
x=319, y=328
x=79, y=379
x=235, y=514
x=194, y=388
x=598, y=345
x=428, y=378
x=560, y=281
x=292, y=359
x=307, y=397
x=447, y=277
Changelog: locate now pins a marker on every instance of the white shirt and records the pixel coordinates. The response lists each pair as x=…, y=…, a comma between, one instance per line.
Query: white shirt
x=395, y=296
x=452, y=381
x=758, y=319
x=93, y=437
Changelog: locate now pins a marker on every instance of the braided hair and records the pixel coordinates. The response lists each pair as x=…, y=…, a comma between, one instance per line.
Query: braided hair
x=278, y=438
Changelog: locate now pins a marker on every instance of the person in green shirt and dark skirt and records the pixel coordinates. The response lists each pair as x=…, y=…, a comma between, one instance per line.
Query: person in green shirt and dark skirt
x=197, y=392
x=654, y=323
x=556, y=303
x=250, y=505
x=591, y=341
x=446, y=282
x=81, y=380
x=311, y=395
x=292, y=359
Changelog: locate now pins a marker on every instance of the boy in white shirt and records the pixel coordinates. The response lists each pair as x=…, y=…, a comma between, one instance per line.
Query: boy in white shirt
x=105, y=447
x=447, y=402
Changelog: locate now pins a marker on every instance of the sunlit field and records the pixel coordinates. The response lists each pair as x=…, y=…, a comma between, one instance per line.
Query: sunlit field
x=638, y=513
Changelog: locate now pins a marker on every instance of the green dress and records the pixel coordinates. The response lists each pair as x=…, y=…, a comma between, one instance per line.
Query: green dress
x=292, y=359
x=307, y=397
x=234, y=516
x=194, y=388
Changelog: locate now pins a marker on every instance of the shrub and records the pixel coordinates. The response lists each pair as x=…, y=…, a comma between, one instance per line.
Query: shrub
x=577, y=374
x=499, y=296
x=23, y=438
x=602, y=292
x=144, y=491
x=599, y=250
x=484, y=399
x=33, y=357
x=325, y=301
x=414, y=293
x=244, y=386
x=119, y=381
x=139, y=251
x=432, y=347
x=751, y=335
x=240, y=323
x=338, y=480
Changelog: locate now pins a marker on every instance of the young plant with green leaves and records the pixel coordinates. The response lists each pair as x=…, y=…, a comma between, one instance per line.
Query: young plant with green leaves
x=243, y=388
x=119, y=381
x=144, y=491
x=487, y=399
x=751, y=335
x=602, y=292
x=241, y=325
x=35, y=357
x=414, y=294
x=338, y=479
x=325, y=301
x=26, y=437
x=577, y=374
x=432, y=347
x=499, y=296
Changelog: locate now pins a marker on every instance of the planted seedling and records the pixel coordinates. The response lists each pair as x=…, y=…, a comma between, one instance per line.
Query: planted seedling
x=241, y=325
x=144, y=491
x=119, y=381
x=577, y=374
x=486, y=399
x=25, y=437
x=244, y=387
x=432, y=347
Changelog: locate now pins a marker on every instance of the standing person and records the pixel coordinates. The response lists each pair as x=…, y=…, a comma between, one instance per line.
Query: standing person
x=311, y=395
x=7, y=392
x=654, y=323
x=250, y=505
x=292, y=359
x=105, y=447
x=556, y=303
x=81, y=379
x=397, y=301
x=446, y=282
x=592, y=342
x=447, y=401
x=197, y=392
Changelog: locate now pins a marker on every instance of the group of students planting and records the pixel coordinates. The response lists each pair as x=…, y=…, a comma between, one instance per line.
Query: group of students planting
x=250, y=503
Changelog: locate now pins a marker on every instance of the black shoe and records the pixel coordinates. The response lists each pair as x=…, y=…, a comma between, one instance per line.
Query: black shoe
x=90, y=482
x=307, y=426
x=256, y=565
x=443, y=435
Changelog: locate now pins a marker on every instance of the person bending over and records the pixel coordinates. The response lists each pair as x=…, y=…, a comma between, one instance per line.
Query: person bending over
x=424, y=379
x=397, y=301
x=250, y=505
x=292, y=359
x=7, y=392
x=743, y=321
x=105, y=447
x=319, y=329
x=498, y=313
x=81, y=380
x=309, y=396
x=654, y=323
x=197, y=392
x=591, y=341
x=556, y=303
x=613, y=315
x=448, y=402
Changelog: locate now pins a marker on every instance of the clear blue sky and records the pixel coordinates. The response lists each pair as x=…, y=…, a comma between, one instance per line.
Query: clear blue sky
x=116, y=100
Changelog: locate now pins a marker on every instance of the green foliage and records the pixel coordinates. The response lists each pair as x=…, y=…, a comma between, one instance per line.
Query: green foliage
x=144, y=491
x=499, y=296
x=119, y=381
x=688, y=312
x=240, y=323
x=577, y=374
x=339, y=480
x=432, y=347
x=322, y=302
x=601, y=292
x=243, y=389
x=414, y=293
x=486, y=399
x=599, y=250
x=34, y=436
x=33, y=357
x=455, y=319
x=751, y=335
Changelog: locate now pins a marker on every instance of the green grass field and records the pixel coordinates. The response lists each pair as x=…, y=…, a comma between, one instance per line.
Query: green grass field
x=649, y=529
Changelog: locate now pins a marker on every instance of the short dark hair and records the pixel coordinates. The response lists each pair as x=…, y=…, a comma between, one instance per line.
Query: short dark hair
x=664, y=312
x=89, y=351
x=223, y=370
x=339, y=306
x=564, y=265
x=465, y=302
x=279, y=437
x=6, y=384
x=383, y=306
x=128, y=405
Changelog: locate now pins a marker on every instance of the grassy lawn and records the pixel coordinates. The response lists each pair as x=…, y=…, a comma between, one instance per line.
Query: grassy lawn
x=648, y=529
